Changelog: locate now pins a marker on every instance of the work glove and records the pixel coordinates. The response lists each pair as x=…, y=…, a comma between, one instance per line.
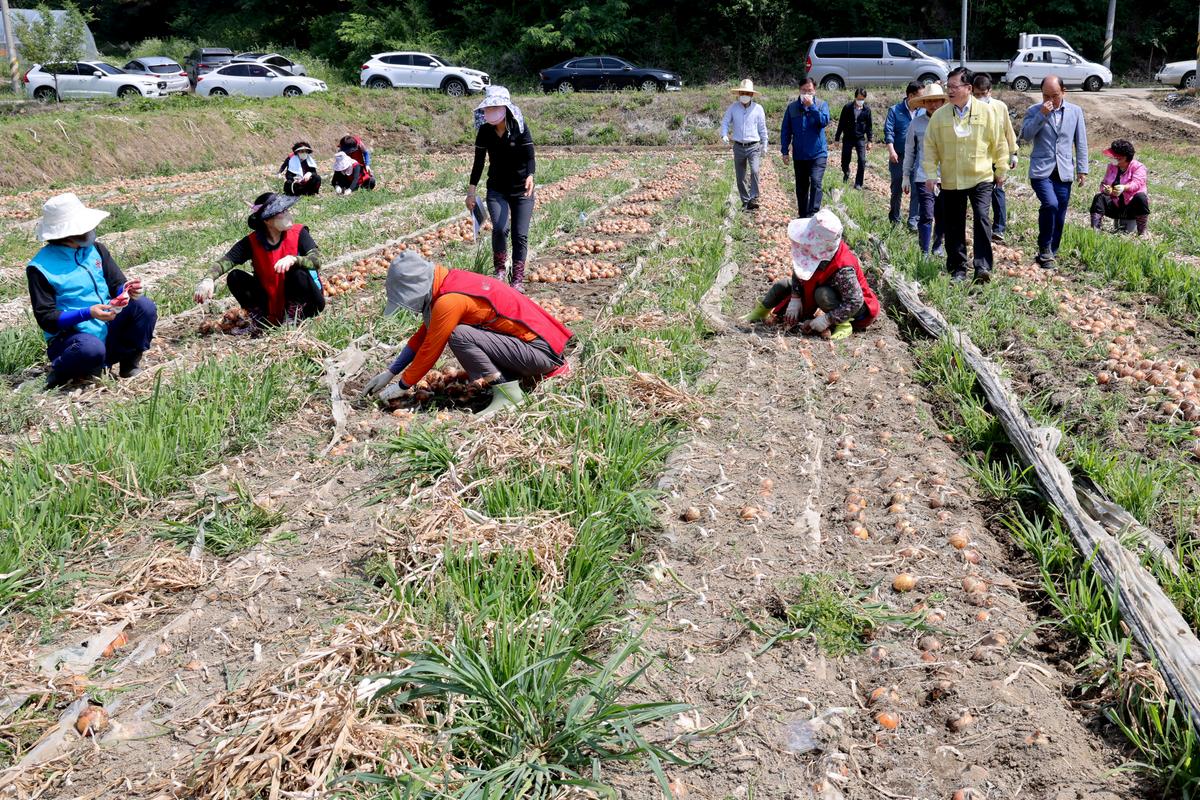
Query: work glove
x=377, y=383
x=204, y=291
x=793, y=311
x=1012, y=162
x=393, y=391
x=725, y=139
x=819, y=324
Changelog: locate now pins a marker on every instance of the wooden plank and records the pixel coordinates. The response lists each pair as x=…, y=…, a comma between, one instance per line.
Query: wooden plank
x=1154, y=620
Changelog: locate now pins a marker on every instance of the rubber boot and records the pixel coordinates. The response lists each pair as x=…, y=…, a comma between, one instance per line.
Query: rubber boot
x=504, y=395
x=1097, y=221
x=518, y=276
x=1142, y=222
x=54, y=380
x=758, y=314
x=131, y=367
x=500, y=266
x=841, y=331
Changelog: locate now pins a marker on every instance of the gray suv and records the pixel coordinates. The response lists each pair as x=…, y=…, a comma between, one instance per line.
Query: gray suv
x=837, y=63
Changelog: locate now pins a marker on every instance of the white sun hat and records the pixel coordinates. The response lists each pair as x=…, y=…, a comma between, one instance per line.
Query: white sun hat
x=814, y=239
x=64, y=216
x=342, y=162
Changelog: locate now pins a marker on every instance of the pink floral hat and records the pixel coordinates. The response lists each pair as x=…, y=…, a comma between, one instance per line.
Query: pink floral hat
x=814, y=239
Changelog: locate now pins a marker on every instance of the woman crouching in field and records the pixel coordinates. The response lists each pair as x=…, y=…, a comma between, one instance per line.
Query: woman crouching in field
x=284, y=287
x=826, y=277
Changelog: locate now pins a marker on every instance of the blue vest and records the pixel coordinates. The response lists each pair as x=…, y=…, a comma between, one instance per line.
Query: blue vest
x=77, y=278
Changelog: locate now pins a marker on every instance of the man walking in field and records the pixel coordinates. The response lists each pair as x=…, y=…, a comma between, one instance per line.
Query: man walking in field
x=895, y=126
x=1059, y=154
x=746, y=122
x=981, y=87
x=803, y=132
x=965, y=146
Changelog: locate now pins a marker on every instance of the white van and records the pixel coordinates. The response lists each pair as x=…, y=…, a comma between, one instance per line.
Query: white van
x=837, y=63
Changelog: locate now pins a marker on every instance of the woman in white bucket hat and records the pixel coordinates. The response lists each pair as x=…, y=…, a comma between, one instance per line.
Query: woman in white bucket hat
x=826, y=277
x=91, y=315
x=503, y=139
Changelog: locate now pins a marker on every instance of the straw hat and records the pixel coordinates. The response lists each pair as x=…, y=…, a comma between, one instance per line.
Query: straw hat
x=64, y=216
x=814, y=239
x=931, y=94
x=746, y=86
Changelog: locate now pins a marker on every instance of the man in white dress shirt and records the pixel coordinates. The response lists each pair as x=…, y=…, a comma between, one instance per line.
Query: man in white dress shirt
x=745, y=123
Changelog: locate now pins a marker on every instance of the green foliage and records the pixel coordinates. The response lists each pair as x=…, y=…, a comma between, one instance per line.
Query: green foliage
x=227, y=526
x=47, y=40
x=837, y=615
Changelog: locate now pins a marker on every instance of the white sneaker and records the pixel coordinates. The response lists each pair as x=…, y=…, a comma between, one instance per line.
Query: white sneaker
x=337, y=189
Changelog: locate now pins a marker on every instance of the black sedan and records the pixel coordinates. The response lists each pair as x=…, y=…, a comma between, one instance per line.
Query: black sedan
x=600, y=73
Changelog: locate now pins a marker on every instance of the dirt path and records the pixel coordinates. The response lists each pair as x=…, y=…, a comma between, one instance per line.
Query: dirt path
x=795, y=428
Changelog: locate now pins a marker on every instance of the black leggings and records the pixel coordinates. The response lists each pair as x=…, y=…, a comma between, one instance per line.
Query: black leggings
x=1116, y=208
x=351, y=182
x=298, y=288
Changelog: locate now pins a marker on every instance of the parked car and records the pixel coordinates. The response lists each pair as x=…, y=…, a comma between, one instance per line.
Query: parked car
x=600, y=73
x=273, y=59
x=163, y=69
x=837, y=63
x=203, y=60
x=997, y=68
x=1033, y=64
x=420, y=71
x=77, y=79
x=1181, y=74
x=256, y=80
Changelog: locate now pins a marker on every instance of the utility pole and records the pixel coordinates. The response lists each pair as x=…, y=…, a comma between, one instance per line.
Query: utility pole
x=962, y=41
x=10, y=44
x=1108, y=32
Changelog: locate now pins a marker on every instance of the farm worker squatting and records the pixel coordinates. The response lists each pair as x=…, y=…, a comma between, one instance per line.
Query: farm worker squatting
x=284, y=286
x=352, y=166
x=826, y=276
x=497, y=333
x=91, y=315
x=503, y=138
x=746, y=121
x=299, y=171
x=1122, y=194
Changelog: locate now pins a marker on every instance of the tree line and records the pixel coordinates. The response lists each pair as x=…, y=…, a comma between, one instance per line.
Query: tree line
x=704, y=40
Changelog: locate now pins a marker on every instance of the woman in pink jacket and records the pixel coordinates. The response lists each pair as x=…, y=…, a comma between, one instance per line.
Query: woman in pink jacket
x=1122, y=193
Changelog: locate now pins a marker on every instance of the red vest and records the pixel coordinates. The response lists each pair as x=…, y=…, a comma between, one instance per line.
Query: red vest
x=507, y=302
x=844, y=257
x=264, y=269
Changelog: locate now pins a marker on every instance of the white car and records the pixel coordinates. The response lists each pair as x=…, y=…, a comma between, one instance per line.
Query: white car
x=421, y=71
x=271, y=59
x=1033, y=64
x=162, y=68
x=1181, y=74
x=82, y=79
x=255, y=80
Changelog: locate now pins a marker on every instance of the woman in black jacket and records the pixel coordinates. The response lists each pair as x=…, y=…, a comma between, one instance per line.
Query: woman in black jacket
x=854, y=131
x=299, y=172
x=503, y=138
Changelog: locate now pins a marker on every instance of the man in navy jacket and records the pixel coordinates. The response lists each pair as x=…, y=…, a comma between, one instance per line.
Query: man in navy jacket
x=803, y=133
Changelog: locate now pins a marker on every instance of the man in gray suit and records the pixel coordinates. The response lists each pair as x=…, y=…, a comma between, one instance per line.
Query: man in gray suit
x=1059, y=137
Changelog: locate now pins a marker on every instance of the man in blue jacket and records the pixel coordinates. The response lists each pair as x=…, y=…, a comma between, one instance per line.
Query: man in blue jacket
x=1059, y=155
x=803, y=132
x=895, y=127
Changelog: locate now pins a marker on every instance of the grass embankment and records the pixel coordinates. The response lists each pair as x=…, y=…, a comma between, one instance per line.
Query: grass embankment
x=513, y=628
x=999, y=319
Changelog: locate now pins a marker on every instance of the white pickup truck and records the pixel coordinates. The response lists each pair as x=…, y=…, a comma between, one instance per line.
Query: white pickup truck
x=997, y=69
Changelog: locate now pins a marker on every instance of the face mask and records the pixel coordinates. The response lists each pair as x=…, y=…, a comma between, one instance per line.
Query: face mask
x=494, y=115
x=303, y=155
x=807, y=97
x=859, y=103
x=745, y=99
x=984, y=99
x=1112, y=162
x=281, y=222
x=87, y=240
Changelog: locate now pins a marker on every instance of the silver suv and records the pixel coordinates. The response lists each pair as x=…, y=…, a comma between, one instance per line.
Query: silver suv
x=837, y=63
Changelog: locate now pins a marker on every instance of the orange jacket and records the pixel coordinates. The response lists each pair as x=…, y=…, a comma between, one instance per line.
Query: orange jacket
x=449, y=311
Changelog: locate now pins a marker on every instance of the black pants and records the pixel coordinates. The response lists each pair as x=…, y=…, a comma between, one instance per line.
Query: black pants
x=810, y=173
x=1117, y=208
x=848, y=148
x=299, y=288
x=510, y=213
x=351, y=182
x=954, y=223
x=296, y=188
